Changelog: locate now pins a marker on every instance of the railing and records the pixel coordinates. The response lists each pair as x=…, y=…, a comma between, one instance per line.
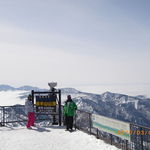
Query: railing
x=12, y=114
x=16, y=114
x=140, y=136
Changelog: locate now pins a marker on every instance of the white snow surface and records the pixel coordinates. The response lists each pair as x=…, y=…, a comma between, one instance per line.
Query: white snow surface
x=8, y=98
x=48, y=138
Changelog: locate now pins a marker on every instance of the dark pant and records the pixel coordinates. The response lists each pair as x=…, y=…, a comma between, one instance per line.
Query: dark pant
x=69, y=122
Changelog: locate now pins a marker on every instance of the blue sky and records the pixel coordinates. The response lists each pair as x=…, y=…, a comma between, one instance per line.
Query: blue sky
x=74, y=42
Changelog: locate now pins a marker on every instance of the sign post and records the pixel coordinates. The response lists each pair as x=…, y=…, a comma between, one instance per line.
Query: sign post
x=48, y=102
x=112, y=126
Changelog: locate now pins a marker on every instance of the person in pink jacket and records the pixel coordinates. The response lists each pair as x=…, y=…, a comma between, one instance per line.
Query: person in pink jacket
x=29, y=108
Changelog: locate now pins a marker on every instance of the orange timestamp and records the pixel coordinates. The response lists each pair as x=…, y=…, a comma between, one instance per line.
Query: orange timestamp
x=134, y=132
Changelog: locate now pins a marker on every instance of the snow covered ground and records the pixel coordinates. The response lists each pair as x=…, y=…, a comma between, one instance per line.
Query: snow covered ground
x=48, y=138
x=40, y=137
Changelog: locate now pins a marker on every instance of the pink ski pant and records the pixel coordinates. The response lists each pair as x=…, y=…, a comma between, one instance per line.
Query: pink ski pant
x=31, y=119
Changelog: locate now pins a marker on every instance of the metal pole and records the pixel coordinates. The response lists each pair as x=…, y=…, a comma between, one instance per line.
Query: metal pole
x=126, y=144
x=97, y=134
x=111, y=139
x=90, y=122
x=141, y=139
x=32, y=94
x=75, y=122
x=59, y=105
x=3, y=116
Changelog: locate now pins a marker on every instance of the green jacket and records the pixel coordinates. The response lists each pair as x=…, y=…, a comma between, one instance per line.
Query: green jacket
x=69, y=108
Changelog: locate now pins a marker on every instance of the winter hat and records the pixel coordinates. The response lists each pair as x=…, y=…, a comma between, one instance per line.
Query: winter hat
x=69, y=96
x=29, y=96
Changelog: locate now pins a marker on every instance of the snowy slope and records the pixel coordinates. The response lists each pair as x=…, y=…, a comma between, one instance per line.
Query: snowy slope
x=48, y=138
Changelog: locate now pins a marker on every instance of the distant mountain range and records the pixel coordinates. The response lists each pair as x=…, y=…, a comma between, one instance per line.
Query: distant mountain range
x=4, y=87
x=134, y=109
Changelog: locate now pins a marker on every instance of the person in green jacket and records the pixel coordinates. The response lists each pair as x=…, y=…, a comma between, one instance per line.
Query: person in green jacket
x=69, y=111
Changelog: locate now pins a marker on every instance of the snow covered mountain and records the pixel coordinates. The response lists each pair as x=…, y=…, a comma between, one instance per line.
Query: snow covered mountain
x=4, y=87
x=119, y=106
